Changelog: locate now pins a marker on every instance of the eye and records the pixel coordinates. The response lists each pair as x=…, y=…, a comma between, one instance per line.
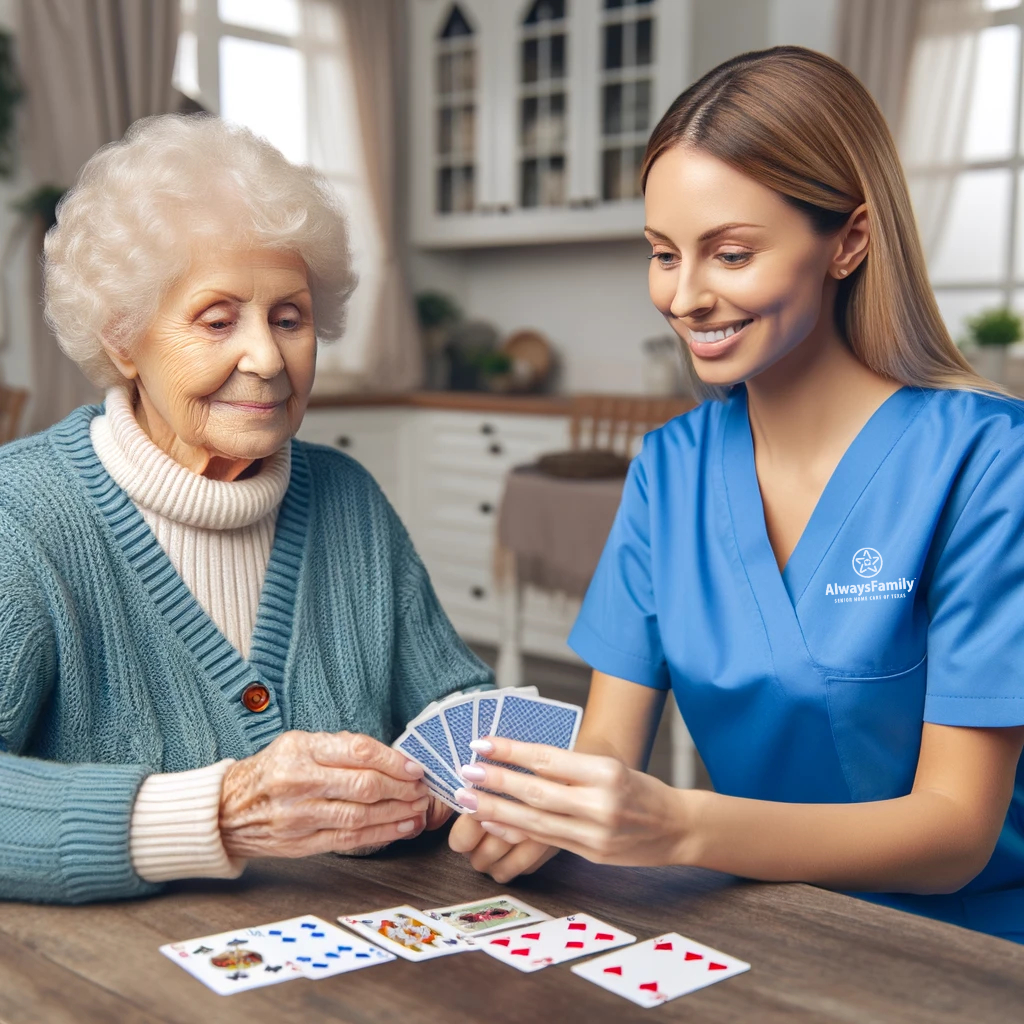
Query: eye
x=288, y=319
x=218, y=325
x=664, y=259
x=734, y=259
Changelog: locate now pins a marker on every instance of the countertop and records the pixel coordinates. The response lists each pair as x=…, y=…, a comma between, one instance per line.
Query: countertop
x=464, y=401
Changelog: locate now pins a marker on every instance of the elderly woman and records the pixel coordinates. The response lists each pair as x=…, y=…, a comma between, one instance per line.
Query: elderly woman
x=208, y=631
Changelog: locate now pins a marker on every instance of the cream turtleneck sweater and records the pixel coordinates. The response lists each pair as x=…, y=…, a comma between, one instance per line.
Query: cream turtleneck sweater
x=218, y=536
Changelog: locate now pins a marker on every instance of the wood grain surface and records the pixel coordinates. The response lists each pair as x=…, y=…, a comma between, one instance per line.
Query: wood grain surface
x=816, y=955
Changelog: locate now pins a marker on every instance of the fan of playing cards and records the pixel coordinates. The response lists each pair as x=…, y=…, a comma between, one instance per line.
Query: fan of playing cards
x=439, y=737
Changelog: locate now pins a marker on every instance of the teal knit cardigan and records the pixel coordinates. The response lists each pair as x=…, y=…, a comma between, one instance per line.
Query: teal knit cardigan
x=110, y=670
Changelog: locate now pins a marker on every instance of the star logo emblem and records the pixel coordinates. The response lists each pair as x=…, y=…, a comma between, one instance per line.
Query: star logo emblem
x=867, y=562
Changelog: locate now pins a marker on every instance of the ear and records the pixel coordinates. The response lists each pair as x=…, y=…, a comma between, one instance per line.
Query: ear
x=124, y=363
x=853, y=243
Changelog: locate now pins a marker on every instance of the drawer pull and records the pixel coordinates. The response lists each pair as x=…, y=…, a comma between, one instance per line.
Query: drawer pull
x=496, y=449
x=486, y=508
x=488, y=429
x=344, y=441
x=477, y=593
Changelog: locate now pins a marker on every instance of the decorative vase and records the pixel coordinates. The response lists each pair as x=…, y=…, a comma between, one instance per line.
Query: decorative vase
x=989, y=361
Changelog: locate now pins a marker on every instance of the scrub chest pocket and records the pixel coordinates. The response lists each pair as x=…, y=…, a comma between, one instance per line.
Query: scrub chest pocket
x=876, y=725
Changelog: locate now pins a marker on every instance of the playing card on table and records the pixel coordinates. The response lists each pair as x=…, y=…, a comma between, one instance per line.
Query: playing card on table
x=321, y=949
x=408, y=932
x=653, y=972
x=237, y=961
x=553, y=942
x=483, y=917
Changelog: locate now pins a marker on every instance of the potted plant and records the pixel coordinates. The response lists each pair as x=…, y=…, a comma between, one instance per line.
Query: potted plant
x=437, y=314
x=990, y=334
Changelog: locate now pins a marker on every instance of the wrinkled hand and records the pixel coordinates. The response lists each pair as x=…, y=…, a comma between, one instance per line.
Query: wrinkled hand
x=591, y=805
x=310, y=793
x=501, y=858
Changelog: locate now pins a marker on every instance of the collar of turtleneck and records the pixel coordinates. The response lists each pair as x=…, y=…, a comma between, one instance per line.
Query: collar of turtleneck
x=154, y=481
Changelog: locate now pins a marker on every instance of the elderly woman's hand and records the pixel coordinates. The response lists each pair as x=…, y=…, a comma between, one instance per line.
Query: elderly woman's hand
x=311, y=793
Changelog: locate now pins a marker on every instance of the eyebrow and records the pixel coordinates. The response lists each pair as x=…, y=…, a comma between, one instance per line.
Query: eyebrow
x=710, y=233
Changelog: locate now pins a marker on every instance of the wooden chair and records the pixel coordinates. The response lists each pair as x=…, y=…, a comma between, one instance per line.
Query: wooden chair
x=12, y=402
x=610, y=423
x=617, y=422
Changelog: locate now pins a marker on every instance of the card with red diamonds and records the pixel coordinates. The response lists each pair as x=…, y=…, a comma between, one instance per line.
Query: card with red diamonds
x=554, y=942
x=653, y=972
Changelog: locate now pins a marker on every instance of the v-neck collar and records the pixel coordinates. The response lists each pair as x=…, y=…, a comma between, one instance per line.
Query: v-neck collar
x=219, y=659
x=778, y=593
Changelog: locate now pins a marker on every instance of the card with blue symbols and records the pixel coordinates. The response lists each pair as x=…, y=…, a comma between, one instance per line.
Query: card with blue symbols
x=247, y=958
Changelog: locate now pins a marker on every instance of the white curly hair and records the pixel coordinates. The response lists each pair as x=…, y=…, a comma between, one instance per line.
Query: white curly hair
x=129, y=228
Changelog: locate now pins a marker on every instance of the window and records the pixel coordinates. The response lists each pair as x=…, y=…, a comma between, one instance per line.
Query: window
x=542, y=105
x=456, y=114
x=627, y=85
x=963, y=149
x=280, y=67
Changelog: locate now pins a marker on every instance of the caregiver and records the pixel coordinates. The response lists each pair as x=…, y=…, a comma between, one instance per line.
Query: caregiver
x=825, y=563
x=208, y=631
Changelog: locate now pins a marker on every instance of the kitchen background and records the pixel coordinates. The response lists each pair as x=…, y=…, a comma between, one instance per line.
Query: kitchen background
x=487, y=151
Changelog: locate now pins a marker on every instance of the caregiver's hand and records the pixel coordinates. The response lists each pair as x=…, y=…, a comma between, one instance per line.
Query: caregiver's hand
x=502, y=857
x=311, y=793
x=585, y=803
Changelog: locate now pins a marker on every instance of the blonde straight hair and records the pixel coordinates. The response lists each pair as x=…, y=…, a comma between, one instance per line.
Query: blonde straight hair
x=802, y=124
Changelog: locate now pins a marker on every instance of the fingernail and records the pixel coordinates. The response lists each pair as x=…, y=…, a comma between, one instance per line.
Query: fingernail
x=482, y=746
x=472, y=773
x=422, y=804
x=495, y=830
x=406, y=826
x=414, y=769
x=467, y=799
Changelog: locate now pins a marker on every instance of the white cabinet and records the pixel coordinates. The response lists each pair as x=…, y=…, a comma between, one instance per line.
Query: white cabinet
x=530, y=116
x=444, y=471
x=374, y=437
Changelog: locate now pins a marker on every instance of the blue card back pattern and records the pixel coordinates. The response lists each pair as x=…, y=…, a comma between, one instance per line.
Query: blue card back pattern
x=485, y=711
x=533, y=721
x=459, y=718
x=419, y=751
x=431, y=730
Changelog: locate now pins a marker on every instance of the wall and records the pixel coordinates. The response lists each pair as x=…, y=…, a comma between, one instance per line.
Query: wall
x=591, y=299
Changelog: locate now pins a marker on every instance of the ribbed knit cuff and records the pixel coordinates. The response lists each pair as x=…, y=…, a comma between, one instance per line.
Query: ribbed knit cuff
x=175, y=830
x=95, y=806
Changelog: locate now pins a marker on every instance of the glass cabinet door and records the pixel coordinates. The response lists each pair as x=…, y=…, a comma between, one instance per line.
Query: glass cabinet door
x=627, y=87
x=456, y=112
x=543, y=104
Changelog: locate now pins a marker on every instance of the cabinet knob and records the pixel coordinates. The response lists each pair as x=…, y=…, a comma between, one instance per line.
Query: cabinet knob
x=496, y=449
x=487, y=428
x=344, y=441
x=477, y=593
x=486, y=508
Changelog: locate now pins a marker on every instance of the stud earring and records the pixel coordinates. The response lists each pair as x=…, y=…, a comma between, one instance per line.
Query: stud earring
x=843, y=273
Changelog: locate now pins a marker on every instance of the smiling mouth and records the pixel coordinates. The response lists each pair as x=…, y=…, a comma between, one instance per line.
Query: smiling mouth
x=710, y=337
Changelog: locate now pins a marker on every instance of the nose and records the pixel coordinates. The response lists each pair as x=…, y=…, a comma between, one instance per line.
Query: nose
x=260, y=353
x=691, y=297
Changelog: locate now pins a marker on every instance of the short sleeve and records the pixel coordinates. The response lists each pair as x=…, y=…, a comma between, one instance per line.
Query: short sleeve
x=976, y=606
x=616, y=631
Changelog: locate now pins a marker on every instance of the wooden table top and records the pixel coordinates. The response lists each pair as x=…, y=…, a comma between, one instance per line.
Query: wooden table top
x=816, y=955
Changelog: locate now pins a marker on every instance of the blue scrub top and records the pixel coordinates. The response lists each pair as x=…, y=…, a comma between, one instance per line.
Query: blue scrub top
x=903, y=603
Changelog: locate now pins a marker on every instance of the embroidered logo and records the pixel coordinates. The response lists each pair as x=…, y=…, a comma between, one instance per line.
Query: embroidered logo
x=867, y=562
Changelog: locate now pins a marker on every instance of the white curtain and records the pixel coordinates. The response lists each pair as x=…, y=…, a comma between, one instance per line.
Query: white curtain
x=928, y=90
x=91, y=68
x=355, y=95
